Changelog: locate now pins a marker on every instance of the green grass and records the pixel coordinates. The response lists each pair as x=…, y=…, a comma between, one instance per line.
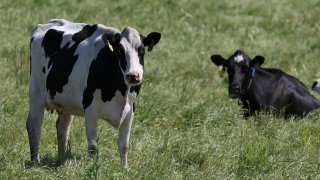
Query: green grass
x=185, y=127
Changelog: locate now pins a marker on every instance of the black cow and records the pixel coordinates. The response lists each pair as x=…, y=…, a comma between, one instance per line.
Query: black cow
x=266, y=89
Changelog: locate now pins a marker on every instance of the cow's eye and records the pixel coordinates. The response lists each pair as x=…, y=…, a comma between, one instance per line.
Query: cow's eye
x=141, y=50
x=244, y=68
x=122, y=57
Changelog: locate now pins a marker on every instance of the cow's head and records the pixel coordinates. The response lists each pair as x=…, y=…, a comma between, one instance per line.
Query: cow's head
x=129, y=48
x=240, y=68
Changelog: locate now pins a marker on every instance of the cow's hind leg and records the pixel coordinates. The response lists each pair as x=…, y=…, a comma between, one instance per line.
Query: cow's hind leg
x=63, y=128
x=33, y=125
x=35, y=118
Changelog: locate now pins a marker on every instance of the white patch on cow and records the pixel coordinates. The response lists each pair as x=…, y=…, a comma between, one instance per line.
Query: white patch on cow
x=131, y=42
x=110, y=110
x=239, y=58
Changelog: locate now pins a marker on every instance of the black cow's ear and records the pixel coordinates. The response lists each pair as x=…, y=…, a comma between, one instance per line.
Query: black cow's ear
x=112, y=40
x=219, y=61
x=151, y=40
x=257, y=61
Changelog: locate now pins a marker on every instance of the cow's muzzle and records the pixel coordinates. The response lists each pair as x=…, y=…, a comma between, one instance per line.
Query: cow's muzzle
x=133, y=78
x=234, y=91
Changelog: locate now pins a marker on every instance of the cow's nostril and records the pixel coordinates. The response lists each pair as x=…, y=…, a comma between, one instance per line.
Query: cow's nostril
x=131, y=77
x=236, y=88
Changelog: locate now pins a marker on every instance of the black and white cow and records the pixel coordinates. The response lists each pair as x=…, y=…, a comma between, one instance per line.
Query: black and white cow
x=266, y=89
x=87, y=70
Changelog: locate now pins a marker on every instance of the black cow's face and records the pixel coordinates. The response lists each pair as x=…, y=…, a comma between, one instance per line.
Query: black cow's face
x=129, y=48
x=240, y=71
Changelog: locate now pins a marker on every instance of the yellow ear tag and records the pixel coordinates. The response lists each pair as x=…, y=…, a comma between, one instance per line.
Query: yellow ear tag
x=110, y=47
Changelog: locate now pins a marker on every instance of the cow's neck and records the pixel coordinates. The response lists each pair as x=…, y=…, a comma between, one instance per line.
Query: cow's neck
x=249, y=93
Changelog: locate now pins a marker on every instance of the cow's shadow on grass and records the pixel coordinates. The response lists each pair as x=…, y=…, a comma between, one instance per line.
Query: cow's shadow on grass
x=51, y=162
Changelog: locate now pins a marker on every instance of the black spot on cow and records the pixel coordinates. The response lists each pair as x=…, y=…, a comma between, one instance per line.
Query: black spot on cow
x=104, y=74
x=31, y=40
x=62, y=63
x=51, y=42
x=135, y=89
x=86, y=32
x=121, y=57
x=133, y=107
x=62, y=60
x=141, y=55
x=114, y=41
x=30, y=64
x=44, y=70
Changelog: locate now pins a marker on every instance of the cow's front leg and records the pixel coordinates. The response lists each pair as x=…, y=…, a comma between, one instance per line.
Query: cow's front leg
x=124, y=135
x=63, y=128
x=244, y=107
x=91, y=131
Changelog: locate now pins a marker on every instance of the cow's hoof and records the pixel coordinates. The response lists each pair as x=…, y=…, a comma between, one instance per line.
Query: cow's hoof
x=92, y=151
x=35, y=159
x=126, y=168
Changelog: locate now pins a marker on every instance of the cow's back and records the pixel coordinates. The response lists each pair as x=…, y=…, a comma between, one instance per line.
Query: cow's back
x=278, y=91
x=61, y=55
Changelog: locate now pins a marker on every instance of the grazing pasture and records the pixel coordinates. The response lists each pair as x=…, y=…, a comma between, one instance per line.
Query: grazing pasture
x=185, y=125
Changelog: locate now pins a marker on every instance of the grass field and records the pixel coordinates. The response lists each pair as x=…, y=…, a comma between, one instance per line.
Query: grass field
x=185, y=127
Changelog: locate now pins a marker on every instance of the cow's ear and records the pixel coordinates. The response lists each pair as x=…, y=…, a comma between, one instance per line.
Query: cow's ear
x=219, y=61
x=112, y=40
x=151, y=40
x=257, y=61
